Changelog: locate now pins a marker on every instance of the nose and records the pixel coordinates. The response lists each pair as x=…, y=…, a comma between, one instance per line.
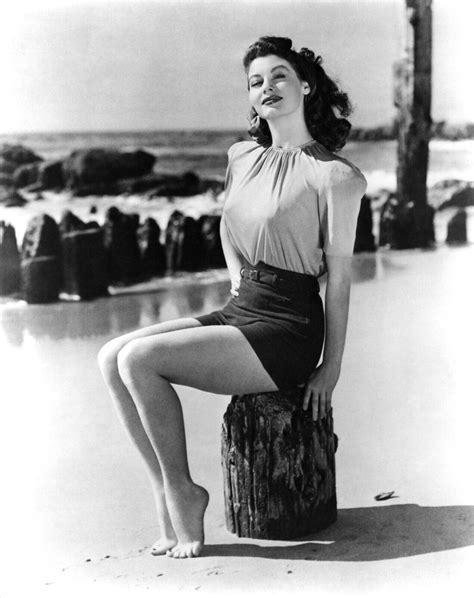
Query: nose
x=268, y=87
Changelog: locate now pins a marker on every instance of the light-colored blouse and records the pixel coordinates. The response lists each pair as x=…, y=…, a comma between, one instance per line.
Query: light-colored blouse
x=291, y=207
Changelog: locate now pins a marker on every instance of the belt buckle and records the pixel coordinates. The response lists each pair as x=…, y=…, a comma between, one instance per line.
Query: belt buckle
x=253, y=274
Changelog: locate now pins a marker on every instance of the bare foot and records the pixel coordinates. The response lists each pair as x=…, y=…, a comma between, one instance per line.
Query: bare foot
x=162, y=546
x=167, y=539
x=186, y=508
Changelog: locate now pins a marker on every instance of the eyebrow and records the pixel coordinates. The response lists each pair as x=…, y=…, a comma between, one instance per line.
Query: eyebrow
x=278, y=66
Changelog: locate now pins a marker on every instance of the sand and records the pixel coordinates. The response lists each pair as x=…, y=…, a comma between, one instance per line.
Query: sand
x=77, y=514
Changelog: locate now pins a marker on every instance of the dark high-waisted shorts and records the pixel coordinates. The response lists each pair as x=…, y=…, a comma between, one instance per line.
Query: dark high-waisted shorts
x=281, y=314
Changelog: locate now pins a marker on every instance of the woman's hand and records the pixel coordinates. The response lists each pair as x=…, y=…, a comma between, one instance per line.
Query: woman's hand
x=235, y=284
x=319, y=388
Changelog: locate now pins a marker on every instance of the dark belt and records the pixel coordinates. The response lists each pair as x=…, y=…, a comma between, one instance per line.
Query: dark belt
x=279, y=278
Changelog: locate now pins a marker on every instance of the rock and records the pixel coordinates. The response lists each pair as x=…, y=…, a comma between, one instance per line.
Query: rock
x=18, y=154
x=26, y=175
x=96, y=189
x=40, y=175
x=365, y=240
x=121, y=245
x=10, y=278
x=104, y=166
x=35, y=188
x=398, y=224
x=12, y=199
x=6, y=180
x=213, y=256
x=457, y=228
x=41, y=279
x=51, y=174
x=460, y=199
x=442, y=191
x=152, y=251
x=213, y=184
x=183, y=186
x=448, y=184
x=85, y=263
x=145, y=183
x=7, y=167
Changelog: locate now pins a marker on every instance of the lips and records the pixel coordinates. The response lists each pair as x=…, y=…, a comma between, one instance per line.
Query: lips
x=271, y=100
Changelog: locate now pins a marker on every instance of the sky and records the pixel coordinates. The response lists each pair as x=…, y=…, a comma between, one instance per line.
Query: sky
x=123, y=65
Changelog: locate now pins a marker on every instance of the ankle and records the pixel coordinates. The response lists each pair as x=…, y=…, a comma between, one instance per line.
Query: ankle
x=180, y=486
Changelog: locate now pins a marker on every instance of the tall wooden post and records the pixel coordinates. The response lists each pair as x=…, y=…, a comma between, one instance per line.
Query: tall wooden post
x=412, y=96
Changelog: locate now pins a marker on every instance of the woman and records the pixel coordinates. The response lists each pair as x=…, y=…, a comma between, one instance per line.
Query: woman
x=289, y=216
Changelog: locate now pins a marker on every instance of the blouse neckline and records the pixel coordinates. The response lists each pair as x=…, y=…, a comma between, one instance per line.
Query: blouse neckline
x=296, y=148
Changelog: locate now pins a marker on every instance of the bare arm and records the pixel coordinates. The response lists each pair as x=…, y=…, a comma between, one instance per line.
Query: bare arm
x=322, y=381
x=232, y=258
x=337, y=297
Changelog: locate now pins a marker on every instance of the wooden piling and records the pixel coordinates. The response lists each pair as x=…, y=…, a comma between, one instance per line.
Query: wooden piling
x=278, y=466
x=412, y=96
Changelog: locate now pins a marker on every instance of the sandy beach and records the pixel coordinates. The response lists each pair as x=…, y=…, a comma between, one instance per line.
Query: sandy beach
x=77, y=513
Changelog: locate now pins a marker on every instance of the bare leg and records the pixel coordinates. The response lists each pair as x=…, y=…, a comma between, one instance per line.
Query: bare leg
x=128, y=414
x=216, y=359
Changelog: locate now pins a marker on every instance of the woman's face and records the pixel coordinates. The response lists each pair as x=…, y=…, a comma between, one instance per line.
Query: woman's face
x=274, y=87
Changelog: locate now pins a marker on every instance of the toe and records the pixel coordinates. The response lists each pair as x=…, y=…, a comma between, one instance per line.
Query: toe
x=175, y=552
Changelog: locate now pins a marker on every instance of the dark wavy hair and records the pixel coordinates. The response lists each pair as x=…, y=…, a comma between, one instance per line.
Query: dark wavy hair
x=321, y=120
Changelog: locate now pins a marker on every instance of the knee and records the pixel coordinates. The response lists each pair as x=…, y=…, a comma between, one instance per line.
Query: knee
x=131, y=359
x=107, y=357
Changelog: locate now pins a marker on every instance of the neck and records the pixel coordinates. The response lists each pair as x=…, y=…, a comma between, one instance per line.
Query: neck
x=289, y=132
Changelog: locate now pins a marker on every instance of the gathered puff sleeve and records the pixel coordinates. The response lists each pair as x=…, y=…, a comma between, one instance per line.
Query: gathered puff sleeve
x=228, y=173
x=339, y=205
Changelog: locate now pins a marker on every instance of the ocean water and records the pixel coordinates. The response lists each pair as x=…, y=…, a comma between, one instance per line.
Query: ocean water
x=205, y=152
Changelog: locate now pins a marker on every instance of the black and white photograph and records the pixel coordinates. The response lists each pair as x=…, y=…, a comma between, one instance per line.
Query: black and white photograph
x=236, y=298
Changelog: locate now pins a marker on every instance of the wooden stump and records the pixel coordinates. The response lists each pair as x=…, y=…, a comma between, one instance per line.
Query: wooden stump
x=121, y=246
x=10, y=279
x=84, y=261
x=457, y=228
x=365, y=240
x=41, y=279
x=153, y=258
x=279, y=467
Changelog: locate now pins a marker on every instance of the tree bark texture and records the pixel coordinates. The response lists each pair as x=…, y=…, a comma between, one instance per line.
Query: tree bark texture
x=278, y=466
x=412, y=96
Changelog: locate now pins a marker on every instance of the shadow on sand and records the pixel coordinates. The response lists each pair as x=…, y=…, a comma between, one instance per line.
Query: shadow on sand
x=371, y=534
